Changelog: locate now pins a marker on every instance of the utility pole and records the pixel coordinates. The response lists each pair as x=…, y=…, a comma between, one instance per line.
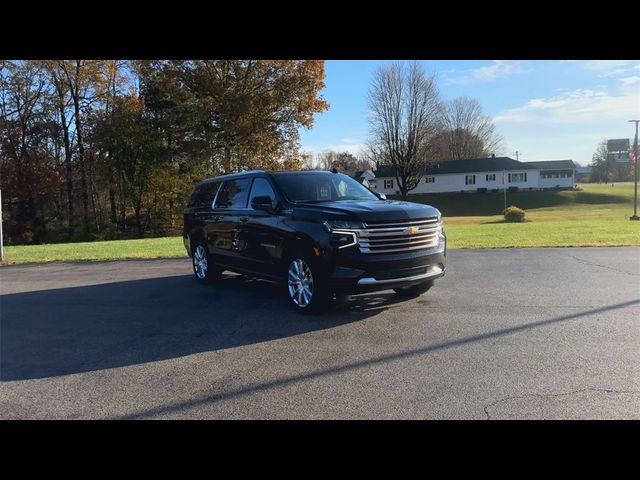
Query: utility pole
x=504, y=188
x=1, y=240
x=635, y=176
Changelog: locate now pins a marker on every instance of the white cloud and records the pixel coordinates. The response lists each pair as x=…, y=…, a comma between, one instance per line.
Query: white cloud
x=348, y=140
x=610, y=68
x=575, y=106
x=353, y=148
x=570, y=124
x=498, y=69
x=630, y=81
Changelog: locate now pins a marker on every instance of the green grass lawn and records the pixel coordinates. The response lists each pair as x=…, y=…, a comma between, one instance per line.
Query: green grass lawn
x=107, y=250
x=596, y=216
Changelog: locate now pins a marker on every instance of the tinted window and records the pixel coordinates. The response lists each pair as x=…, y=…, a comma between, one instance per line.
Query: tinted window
x=204, y=194
x=233, y=194
x=194, y=196
x=261, y=188
x=321, y=187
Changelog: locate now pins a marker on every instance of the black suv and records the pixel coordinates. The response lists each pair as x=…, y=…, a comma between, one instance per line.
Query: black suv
x=323, y=234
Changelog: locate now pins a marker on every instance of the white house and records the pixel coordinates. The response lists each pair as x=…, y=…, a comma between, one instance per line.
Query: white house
x=472, y=174
x=556, y=173
x=366, y=177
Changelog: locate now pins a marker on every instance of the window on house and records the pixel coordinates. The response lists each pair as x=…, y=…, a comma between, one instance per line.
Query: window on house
x=518, y=177
x=491, y=177
x=470, y=180
x=430, y=179
x=388, y=184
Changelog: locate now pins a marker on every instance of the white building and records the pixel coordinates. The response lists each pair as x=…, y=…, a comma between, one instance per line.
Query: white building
x=470, y=175
x=366, y=177
x=556, y=173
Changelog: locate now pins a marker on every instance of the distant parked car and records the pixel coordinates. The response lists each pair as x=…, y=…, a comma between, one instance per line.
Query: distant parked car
x=320, y=233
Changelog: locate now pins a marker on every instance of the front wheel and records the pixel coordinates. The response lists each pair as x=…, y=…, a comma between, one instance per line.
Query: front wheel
x=307, y=285
x=414, y=290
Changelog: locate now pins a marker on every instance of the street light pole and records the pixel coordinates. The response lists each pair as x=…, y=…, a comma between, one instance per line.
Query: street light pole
x=635, y=176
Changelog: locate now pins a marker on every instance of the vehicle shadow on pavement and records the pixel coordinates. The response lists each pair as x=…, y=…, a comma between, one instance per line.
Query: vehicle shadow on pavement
x=79, y=329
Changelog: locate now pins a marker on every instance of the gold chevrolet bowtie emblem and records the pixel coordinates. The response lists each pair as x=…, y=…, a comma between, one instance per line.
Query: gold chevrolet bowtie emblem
x=412, y=230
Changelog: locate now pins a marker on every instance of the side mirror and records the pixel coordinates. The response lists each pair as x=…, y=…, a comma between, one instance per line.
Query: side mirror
x=262, y=203
x=381, y=195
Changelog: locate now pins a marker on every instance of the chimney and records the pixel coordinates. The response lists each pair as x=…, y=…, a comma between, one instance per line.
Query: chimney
x=493, y=155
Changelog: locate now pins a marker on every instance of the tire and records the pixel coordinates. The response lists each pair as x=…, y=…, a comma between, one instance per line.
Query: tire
x=204, y=269
x=414, y=290
x=306, y=285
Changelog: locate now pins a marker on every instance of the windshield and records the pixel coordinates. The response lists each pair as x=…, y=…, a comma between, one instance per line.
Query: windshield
x=316, y=187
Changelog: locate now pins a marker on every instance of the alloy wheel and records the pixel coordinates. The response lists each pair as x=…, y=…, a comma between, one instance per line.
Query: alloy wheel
x=200, y=262
x=300, y=283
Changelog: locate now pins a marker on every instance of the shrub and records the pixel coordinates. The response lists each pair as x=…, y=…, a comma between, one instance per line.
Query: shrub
x=495, y=190
x=513, y=189
x=482, y=190
x=513, y=214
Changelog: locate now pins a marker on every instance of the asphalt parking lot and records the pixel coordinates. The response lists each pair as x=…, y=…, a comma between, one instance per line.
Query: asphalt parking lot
x=514, y=333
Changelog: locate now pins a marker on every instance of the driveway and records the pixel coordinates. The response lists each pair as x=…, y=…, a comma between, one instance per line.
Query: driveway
x=513, y=333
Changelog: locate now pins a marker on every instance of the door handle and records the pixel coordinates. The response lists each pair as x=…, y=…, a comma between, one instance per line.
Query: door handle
x=217, y=218
x=244, y=219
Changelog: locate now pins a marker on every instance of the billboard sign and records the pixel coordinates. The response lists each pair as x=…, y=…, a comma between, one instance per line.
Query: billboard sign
x=618, y=145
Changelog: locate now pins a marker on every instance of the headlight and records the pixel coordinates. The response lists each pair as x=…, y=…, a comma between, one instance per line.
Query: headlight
x=342, y=232
x=439, y=215
x=442, y=241
x=333, y=225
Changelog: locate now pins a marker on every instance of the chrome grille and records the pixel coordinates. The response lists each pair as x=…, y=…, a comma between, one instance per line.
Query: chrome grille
x=399, y=236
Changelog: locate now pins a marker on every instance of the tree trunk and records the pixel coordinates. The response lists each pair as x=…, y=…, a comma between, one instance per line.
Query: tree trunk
x=81, y=163
x=67, y=159
x=112, y=204
x=136, y=209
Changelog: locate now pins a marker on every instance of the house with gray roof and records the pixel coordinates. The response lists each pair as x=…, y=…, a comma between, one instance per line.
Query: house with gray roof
x=491, y=173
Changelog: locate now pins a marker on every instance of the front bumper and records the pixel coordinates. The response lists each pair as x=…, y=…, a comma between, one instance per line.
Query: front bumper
x=362, y=273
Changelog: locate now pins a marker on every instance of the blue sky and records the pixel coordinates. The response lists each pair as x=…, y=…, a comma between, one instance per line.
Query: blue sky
x=544, y=109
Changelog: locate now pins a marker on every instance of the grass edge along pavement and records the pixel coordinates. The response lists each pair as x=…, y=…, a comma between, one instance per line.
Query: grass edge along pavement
x=597, y=215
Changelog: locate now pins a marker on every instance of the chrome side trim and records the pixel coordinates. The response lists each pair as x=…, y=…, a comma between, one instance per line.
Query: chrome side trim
x=215, y=197
x=435, y=271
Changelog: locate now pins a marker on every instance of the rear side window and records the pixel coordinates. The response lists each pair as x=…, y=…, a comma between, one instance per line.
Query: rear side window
x=233, y=194
x=204, y=194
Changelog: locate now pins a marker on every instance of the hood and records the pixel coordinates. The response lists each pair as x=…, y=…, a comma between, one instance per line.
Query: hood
x=370, y=210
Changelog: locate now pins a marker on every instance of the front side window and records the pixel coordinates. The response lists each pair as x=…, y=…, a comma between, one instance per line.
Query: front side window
x=261, y=188
x=233, y=194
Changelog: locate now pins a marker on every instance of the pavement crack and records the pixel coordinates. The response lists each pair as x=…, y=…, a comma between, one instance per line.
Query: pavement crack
x=551, y=395
x=586, y=262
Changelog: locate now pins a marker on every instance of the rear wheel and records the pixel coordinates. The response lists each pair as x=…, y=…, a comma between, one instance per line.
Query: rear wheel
x=414, y=290
x=203, y=268
x=307, y=285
